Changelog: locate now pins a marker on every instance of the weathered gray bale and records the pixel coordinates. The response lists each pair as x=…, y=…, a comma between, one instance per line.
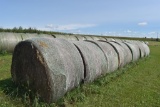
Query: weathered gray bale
x=81, y=38
x=147, y=43
x=118, y=40
x=74, y=38
x=98, y=38
x=110, y=54
x=88, y=37
x=146, y=48
x=121, y=53
x=141, y=48
x=8, y=41
x=50, y=67
x=94, y=60
x=110, y=39
x=26, y=36
x=95, y=38
x=45, y=36
x=102, y=38
x=134, y=49
x=127, y=52
x=1, y=34
x=61, y=36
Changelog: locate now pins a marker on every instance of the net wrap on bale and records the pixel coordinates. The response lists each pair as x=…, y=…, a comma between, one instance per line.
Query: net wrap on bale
x=94, y=60
x=110, y=54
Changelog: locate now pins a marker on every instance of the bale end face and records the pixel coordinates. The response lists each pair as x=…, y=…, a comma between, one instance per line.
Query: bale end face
x=29, y=69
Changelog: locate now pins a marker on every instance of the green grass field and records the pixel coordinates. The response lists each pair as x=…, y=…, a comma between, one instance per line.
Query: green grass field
x=137, y=84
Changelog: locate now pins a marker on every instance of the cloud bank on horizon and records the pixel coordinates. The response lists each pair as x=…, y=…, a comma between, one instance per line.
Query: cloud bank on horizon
x=138, y=18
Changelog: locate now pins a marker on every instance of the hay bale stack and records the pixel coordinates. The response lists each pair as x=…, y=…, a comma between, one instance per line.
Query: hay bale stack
x=8, y=41
x=50, y=67
x=94, y=60
x=134, y=49
x=121, y=53
x=110, y=54
x=127, y=52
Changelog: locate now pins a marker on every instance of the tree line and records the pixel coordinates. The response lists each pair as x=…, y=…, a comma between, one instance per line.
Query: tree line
x=28, y=30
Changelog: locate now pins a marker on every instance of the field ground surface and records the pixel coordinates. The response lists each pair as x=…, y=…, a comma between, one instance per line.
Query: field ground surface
x=137, y=84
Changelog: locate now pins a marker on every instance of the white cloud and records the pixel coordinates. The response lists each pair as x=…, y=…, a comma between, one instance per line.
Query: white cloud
x=68, y=27
x=152, y=33
x=49, y=26
x=142, y=23
x=128, y=31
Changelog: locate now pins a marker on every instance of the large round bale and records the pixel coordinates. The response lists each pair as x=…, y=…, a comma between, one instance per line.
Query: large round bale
x=8, y=41
x=110, y=54
x=45, y=36
x=127, y=52
x=98, y=38
x=1, y=34
x=81, y=38
x=61, y=36
x=134, y=49
x=50, y=67
x=72, y=37
x=94, y=60
x=146, y=48
x=26, y=36
x=102, y=38
x=141, y=48
x=110, y=39
x=121, y=53
x=88, y=38
x=118, y=40
x=95, y=38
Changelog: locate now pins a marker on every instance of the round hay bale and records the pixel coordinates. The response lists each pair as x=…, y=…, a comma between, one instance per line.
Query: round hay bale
x=1, y=42
x=74, y=38
x=127, y=52
x=88, y=38
x=146, y=49
x=26, y=36
x=81, y=38
x=50, y=67
x=121, y=53
x=110, y=54
x=45, y=36
x=118, y=40
x=141, y=48
x=102, y=38
x=94, y=60
x=110, y=39
x=147, y=43
x=134, y=49
x=95, y=38
x=61, y=36
x=8, y=41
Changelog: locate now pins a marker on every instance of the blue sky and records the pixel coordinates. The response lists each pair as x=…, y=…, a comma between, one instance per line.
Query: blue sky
x=138, y=18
